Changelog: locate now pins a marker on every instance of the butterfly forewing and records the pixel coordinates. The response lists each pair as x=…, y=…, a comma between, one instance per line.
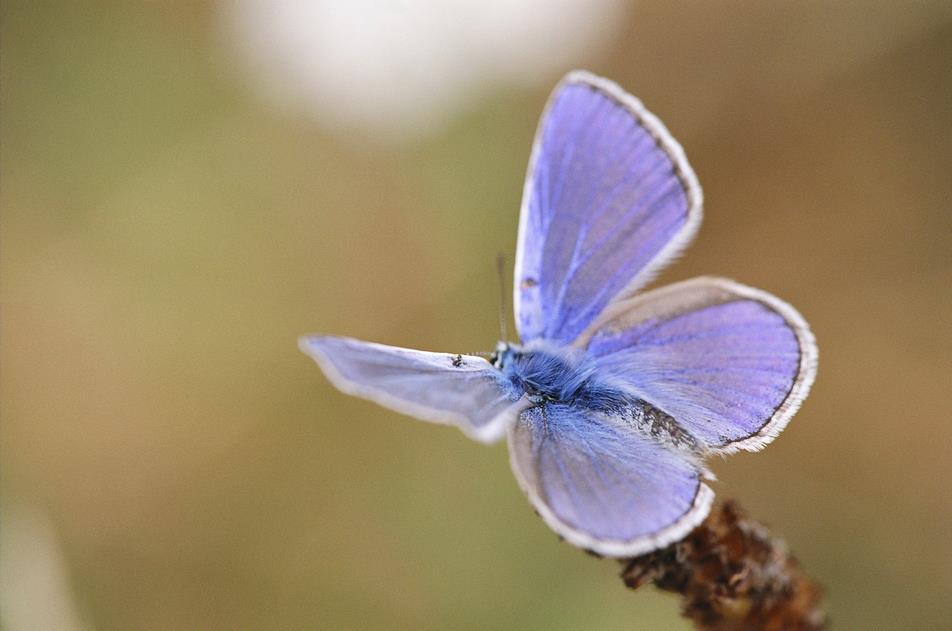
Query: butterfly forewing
x=462, y=390
x=609, y=199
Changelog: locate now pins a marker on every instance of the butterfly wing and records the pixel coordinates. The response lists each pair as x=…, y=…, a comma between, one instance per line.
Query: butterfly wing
x=609, y=199
x=731, y=363
x=602, y=485
x=461, y=390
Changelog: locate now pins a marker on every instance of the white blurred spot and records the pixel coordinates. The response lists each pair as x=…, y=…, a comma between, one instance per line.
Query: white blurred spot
x=34, y=583
x=403, y=67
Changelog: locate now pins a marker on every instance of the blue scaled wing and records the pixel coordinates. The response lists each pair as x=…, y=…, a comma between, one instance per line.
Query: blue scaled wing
x=461, y=390
x=730, y=363
x=601, y=484
x=609, y=199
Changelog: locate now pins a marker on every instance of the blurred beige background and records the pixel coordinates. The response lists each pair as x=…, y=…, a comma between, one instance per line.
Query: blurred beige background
x=187, y=187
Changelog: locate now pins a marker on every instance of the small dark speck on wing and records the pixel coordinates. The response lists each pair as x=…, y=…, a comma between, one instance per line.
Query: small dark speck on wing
x=528, y=283
x=457, y=361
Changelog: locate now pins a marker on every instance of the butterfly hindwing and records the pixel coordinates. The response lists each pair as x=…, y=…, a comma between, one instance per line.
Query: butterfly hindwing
x=602, y=485
x=609, y=199
x=461, y=390
x=731, y=363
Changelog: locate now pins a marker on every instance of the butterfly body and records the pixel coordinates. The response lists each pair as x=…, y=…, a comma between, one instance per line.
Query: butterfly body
x=547, y=373
x=553, y=375
x=614, y=396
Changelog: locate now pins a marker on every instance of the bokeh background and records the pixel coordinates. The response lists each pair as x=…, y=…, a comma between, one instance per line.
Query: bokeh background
x=187, y=187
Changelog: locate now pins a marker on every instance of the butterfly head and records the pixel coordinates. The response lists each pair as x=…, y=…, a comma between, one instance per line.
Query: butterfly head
x=504, y=354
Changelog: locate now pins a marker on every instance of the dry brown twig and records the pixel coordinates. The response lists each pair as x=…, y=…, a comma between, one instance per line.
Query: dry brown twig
x=732, y=575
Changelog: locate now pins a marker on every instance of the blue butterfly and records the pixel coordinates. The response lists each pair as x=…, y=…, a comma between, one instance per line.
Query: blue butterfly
x=614, y=398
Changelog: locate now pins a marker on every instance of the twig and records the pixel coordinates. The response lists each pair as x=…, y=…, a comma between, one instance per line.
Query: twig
x=732, y=575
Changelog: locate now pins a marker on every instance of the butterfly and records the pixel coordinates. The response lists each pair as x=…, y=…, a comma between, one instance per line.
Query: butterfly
x=613, y=399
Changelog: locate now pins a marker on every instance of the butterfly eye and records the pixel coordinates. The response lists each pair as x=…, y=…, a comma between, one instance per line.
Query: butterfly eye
x=499, y=356
x=496, y=359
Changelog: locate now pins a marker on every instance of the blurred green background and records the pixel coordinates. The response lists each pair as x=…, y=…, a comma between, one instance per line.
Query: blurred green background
x=172, y=220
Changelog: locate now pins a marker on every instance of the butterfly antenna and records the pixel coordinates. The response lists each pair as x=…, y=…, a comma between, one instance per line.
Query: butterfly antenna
x=501, y=271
